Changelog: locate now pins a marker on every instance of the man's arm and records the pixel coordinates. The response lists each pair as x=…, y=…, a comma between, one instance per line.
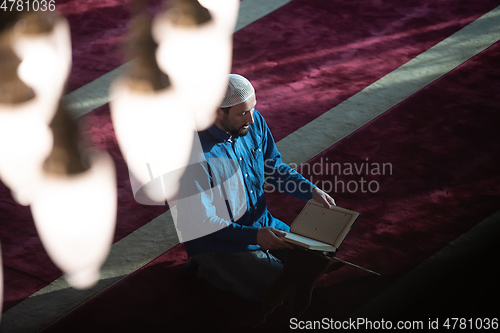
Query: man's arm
x=203, y=210
x=322, y=197
x=268, y=238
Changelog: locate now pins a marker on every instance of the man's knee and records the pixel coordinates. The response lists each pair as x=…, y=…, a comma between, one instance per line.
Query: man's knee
x=248, y=274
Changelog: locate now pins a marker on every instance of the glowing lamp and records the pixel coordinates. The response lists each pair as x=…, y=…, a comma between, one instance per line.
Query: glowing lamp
x=154, y=130
x=196, y=53
x=36, y=60
x=74, y=206
x=25, y=139
x=75, y=219
x=224, y=13
x=43, y=43
x=155, y=134
x=25, y=142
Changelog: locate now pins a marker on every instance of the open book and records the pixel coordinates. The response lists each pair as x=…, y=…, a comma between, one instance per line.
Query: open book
x=320, y=228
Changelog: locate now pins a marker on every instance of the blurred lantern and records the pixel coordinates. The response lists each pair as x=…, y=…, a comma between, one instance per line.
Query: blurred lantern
x=224, y=13
x=35, y=63
x=25, y=139
x=195, y=49
x=154, y=130
x=42, y=41
x=74, y=207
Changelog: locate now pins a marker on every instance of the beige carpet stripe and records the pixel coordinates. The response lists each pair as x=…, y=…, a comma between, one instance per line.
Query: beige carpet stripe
x=345, y=118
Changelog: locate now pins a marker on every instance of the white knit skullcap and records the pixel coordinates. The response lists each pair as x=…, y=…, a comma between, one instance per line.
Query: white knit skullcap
x=239, y=89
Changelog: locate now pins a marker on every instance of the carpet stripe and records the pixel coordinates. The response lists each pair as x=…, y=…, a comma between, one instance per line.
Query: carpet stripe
x=58, y=299
x=377, y=98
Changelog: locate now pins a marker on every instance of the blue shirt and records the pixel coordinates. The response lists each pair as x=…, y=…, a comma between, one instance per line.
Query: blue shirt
x=223, y=203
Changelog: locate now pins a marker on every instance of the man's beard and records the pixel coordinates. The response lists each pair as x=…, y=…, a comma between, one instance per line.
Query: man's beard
x=243, y=131
x=239, y=132
x=236, y=132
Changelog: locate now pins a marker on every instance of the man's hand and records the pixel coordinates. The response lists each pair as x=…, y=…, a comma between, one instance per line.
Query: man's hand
x=322, y=197
x=269, y=239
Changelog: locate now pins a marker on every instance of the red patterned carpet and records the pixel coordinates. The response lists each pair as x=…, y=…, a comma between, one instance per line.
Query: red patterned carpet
x=304, y=59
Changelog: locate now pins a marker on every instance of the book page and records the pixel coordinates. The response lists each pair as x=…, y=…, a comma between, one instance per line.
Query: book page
x=323, y=224
x=308, y=242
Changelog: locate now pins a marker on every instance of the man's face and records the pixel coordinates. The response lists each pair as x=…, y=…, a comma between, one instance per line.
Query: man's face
x=237, y=121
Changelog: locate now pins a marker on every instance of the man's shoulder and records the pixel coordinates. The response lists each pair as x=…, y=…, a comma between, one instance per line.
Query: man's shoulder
x=206, y=136
x=259, y=126
x=259, y=118
x=210, y=144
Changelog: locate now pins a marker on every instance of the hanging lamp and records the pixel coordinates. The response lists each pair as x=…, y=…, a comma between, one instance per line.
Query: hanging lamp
x=75, y=205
